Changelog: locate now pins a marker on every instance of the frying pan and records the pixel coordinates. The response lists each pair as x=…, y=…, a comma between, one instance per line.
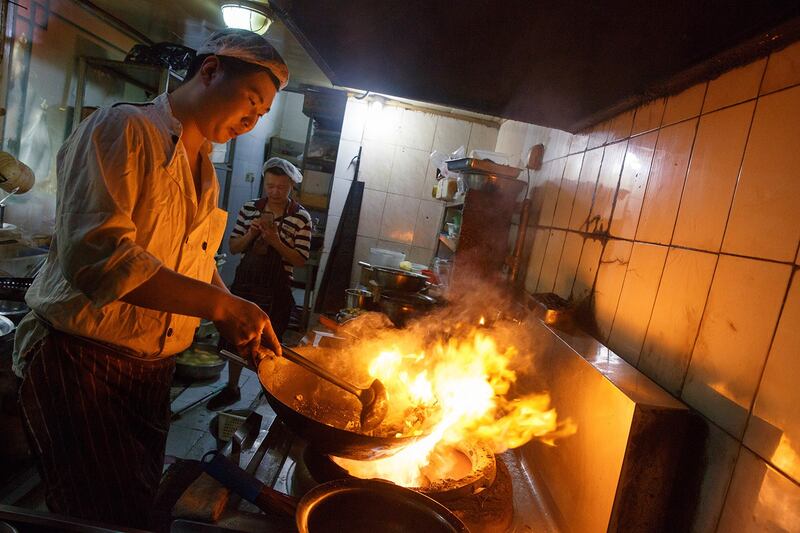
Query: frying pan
x=322, y=414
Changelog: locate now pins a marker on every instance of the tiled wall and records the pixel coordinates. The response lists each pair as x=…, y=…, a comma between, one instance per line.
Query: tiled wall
x=397, y=210
x=678, y=225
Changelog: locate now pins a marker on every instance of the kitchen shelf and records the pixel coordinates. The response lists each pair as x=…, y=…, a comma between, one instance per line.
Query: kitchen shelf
x=447, y=241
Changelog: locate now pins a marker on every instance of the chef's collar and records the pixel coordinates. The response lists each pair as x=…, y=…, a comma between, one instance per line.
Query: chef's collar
x=173, y=127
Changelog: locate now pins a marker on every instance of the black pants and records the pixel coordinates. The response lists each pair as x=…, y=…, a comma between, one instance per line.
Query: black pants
x=98, y=423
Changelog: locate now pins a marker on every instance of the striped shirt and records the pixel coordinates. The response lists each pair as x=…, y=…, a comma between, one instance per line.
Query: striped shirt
x=294, y=228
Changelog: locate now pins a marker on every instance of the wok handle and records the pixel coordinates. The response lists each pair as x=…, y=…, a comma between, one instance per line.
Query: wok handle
x=232, y=357
x=298, y=359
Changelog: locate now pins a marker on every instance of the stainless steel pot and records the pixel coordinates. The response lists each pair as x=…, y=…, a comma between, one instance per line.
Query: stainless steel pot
x=197, y=372
x=358, y=298
x=401, y=307
x=395, y=279
x=368, y=505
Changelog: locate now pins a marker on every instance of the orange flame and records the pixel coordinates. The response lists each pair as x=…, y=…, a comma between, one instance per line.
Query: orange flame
x=455, y=390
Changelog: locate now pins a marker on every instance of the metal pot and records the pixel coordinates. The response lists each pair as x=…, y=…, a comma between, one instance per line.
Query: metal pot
x=7, y=328
x=401, y=307
x=395, y=279
x=13, y=310
x=200, y=372
x=358, y=298
x=368, y=505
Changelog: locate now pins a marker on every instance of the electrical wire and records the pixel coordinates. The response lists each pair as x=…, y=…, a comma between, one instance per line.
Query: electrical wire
x=366, y=93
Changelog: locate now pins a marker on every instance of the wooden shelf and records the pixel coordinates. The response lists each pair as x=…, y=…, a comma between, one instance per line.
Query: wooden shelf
x=447, y=241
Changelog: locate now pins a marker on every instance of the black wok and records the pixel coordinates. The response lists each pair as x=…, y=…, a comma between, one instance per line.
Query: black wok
x=323, y=415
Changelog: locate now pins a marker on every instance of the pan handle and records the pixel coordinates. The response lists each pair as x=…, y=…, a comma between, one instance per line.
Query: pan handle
x=232, y=357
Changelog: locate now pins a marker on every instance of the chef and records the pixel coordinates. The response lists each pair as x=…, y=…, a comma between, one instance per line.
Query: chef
x=129, y=274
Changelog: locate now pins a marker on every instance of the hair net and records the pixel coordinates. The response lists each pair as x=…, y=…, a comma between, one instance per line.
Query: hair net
x=247, y=46
x=289, y=169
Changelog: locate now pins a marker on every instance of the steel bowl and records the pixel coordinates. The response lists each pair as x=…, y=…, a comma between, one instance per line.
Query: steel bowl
x=395, y=279
x=358, y=298
x=200, y=372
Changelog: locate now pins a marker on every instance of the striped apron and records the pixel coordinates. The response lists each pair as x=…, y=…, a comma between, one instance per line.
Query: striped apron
x=97, y=421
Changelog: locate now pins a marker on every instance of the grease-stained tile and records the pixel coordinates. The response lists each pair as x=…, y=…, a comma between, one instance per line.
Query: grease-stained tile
x=632, y=185
x=584, y=192
x=399, y=217
x=429, y=219
x=783, y=69
x=570, y=256
x=734, y=86
x=735, y=333
x=599, y=134
x=559, y=145
x=376, y=165
x=620, y=127
x=676, y=317
x=765, y=219
x=552, y=256
x=648, y=116
x=552, y=173
x=371, y=215
x=711, y=180
x=511, y=139
x=760, y=499
x=408, y=171
x=416, y=130
x=684, y=105
x=610, y=276
x=566, y=191
x=665, y=183
x=482, y=138
x=607, y=182
x=774, y=428
x=536, y=259
x=636, y=300
x=579, y=142
x=361, y=253
x=420, y=255
x=450, y=134
x=587, y=269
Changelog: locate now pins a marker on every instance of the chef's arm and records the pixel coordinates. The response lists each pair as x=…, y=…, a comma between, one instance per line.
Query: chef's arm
x=171, y=292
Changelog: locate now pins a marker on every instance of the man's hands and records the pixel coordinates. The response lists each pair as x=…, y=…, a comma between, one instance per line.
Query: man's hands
x=269, y=233
x=243, y=323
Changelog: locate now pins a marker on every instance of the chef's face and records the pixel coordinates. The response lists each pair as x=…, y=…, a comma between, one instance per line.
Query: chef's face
x=277, y=187
x=234, y=101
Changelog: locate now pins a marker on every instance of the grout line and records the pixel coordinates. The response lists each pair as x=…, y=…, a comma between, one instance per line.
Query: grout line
x=769, y=351
x=789, y=262
x=728, y=487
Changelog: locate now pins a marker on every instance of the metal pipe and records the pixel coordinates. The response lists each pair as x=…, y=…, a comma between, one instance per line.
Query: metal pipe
x=520, y=241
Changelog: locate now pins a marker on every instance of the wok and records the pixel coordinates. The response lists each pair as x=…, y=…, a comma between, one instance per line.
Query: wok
x=320, y=413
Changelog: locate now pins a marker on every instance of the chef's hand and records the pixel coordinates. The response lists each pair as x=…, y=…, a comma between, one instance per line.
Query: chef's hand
x=244, y=324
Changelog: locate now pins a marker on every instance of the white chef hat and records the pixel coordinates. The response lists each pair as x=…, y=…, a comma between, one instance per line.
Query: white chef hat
x=247, y=46
x=286, y=167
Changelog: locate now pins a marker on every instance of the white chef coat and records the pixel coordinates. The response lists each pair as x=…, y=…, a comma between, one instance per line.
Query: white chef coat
x=126, y=205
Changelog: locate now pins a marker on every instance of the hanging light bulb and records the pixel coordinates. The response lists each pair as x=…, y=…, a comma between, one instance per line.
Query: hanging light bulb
x=247, y=16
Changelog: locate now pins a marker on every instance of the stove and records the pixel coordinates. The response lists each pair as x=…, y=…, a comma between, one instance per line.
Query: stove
x=494, y=494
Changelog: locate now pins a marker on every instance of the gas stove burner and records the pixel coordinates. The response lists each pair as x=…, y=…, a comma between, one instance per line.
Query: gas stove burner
x=468, y=469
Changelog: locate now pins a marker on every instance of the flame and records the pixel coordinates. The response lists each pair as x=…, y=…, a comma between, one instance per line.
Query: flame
x=482, y=321
x=452, y=391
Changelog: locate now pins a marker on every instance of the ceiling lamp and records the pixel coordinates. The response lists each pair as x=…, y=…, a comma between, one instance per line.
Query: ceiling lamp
x=247, y=16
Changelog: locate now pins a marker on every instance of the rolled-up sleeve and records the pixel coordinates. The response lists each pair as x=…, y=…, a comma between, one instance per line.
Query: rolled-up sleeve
x=104, y=172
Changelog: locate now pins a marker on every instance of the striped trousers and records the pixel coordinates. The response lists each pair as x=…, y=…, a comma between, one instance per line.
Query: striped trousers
x=97, y=421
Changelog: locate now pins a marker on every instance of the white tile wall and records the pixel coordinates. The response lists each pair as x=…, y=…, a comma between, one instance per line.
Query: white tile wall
x=710, y=175
x=584, y=192
x=450, y=134
x=376, y=164
x=665, y=183
x=371, y=216
x=399, y=217
x=607, y=183
x=417, y=130
x=713, y=172
x=765, y=219
x=408, y=171
x=482, y=138
x=426, y=229
x=735, y=334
